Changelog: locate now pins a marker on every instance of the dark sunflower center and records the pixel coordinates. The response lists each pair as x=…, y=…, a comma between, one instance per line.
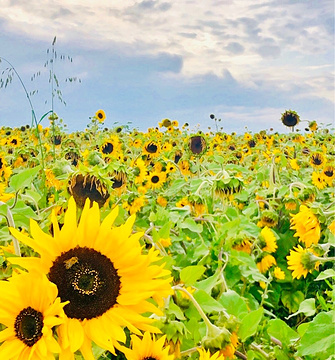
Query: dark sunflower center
x=87, y=279
x=14, y=142
x=57, y=140
x=317, y=160
x=28, y=326
x=197, y=144
x=290, y=120
x=100, y=115
x=1, y=163
x=151, y=148
x=155, y=179
x=328, y=173
x=268, y=220
x=108, y=148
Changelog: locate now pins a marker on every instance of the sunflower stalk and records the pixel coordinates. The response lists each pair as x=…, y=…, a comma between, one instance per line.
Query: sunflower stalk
x=213, y=331
x=11, y=223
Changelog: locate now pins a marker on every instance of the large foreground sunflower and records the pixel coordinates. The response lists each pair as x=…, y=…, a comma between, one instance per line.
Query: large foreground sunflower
x=29, y=310
x=301, y=261
x=101, y=270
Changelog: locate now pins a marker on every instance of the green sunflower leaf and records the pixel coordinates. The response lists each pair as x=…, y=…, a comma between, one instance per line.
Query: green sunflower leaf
x=24, y=178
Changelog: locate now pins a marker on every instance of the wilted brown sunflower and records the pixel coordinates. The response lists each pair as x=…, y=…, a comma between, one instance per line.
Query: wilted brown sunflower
x=88, y=186
x=197, y=144
x=290, y=118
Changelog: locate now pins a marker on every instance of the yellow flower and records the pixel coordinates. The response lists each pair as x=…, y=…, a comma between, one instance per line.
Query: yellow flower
x=147, y=348
x=161, y=201
x=294, y=164
x=101, y=270
x=30, y=309
x=306, y=225
x=137, y=204
x=278, y=273
x=244, y=246
x=331, y=227
x=317, y=160
x=266, y=262
x=156, y=180
x=270, y=240
x=318, y=180
x=100, y=115
x=301, y=262
x=165, y=242
x=206, y=355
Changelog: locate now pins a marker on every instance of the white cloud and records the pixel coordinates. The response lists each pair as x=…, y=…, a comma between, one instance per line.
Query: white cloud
x=253, y=40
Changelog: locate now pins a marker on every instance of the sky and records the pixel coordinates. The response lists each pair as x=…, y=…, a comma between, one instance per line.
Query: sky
x=245, y=61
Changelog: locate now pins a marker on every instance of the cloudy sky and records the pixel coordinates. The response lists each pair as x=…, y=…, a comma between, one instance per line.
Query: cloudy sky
x=246, y=61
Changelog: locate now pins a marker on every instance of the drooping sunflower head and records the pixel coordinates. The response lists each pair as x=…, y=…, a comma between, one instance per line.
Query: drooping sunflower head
x=73, y=157
x=83, y=187
x=165, y=123
x=317, y=160
x=119, y=180
x=269, y=218
x=197, y=144
x=290, y=118
x=302, y=261
x=227, y=186
x=313, y=125
x=100, y=115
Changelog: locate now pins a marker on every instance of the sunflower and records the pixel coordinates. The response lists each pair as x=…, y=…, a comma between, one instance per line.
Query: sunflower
x=151, y=148
x=206, y=355
x=329, y=174
x=278, y=273
x=244, y=245
x=197, y=144
x=140, y=170
x=269, y=219
x=266, y=262
x=290, y=118
x=148, y=348
x=88, y=186
x=101, y=270
x=317, y=160
x=100, y=115
x=30, y=309
x=318, y=180
x=306, y=225
x=184, y=167
x=301, y=261
x=156, y=179
x=270, y=240
x=111, y=147
x=119, y=180
x=14, y=141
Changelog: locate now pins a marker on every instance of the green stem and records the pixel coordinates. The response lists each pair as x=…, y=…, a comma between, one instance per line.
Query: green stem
x=11, y=223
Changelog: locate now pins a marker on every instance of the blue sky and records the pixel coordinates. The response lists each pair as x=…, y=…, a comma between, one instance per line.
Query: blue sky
x=142, y=61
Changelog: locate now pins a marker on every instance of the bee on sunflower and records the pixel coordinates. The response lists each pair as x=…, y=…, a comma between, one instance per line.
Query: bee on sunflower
x=109, y=284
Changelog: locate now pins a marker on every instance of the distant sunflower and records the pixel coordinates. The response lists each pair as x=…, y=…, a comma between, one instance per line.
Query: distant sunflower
x=278, y=273
x=206, y=355
x=270, y=240
x=156, y=179
x=151, y=148
x=266, y=262
x=290, y=118
x=317, y=160
x=318, y=180
x=101, y=270
x=197, y=144
x=88, y=186
x=111, y=147
x=301, y=261
x=100, y=115
x=147, y=348
x=30, y=309
x=14, y=141
x=306, y=226
x=329, y=174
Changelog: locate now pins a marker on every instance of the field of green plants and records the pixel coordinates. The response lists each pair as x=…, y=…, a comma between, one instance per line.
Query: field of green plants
x=167, y=244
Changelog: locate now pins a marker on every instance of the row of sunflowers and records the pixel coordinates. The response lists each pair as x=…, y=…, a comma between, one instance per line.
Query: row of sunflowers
x=166, y=244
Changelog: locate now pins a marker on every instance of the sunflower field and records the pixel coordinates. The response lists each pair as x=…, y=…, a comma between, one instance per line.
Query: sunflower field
x=167, y=244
